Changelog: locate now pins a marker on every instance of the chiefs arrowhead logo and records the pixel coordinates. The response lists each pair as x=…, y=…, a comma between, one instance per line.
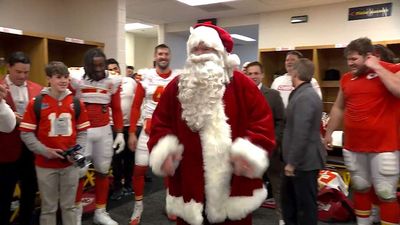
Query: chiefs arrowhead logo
x=371, y=76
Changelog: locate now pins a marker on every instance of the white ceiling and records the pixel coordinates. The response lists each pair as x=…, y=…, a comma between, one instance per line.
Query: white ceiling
x=171, y=11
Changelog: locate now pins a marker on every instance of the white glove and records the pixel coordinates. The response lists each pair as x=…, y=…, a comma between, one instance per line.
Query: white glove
x=119, y=142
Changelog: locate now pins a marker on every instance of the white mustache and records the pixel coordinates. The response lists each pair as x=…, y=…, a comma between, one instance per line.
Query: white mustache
x=193, y=58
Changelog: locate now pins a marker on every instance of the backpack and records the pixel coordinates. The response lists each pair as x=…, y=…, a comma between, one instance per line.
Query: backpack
x=37, y=107
x=334, y=206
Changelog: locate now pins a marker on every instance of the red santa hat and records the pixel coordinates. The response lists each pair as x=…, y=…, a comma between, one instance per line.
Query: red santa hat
x=214, y=37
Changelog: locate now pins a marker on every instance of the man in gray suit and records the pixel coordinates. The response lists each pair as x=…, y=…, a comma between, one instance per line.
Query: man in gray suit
x=273, y=97
x=302, y=149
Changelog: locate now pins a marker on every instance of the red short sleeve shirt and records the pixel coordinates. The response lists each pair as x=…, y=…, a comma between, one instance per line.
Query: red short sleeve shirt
x=371, y=116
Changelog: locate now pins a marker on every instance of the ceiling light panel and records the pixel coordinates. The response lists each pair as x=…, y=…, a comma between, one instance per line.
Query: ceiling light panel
x=242, y=37
x=136, y=26
x=202, y=2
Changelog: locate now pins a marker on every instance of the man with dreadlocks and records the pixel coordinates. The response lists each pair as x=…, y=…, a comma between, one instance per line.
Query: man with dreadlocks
x=99, y=92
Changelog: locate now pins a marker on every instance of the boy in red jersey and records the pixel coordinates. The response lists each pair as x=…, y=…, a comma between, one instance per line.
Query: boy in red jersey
x=57, y=130
x=368, y=101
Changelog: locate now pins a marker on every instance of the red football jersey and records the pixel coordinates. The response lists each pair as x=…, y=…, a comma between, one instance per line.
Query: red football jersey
x=371, y=121
x=57, y=127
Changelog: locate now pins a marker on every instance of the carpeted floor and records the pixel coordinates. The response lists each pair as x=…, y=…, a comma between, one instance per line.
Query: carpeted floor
x=154, y=203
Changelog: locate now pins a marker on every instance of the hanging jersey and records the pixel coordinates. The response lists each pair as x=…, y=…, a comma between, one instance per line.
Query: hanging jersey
x=371, y=119
x=57, y=127
x=332, y=179
x=98, y=96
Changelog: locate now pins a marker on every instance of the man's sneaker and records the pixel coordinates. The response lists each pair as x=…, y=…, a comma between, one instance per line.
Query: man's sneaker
x=117, y=195
x=281, y=222
x=137, y=213
x=127, y=191
x=101, y=217
x=375, y=214
x=79, y=209
x=269, y=203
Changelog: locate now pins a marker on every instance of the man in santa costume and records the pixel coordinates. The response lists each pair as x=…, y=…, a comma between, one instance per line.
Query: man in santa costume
x=211, y=134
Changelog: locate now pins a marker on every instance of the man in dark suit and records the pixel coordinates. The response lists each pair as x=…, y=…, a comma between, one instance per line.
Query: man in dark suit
x=16, y=161
x=254, y=72
x=302, y=149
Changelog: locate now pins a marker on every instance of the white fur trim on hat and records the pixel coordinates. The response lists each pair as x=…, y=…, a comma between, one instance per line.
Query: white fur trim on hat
x=233, y=61
x=165, y=146
x=256, y=156
x=208, y=35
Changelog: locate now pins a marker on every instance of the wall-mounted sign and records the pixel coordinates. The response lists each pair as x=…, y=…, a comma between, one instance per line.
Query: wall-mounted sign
x=299, y=19
x=213, y=21
x=371, y=11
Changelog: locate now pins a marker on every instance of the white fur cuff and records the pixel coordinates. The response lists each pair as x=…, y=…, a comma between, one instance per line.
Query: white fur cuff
x=241, y=206
x=191, y=211
x=165, y=146
x=256, y=156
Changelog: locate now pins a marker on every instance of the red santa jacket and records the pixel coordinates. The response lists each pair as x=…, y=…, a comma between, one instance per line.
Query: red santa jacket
x=243, y=126
x=11, y=143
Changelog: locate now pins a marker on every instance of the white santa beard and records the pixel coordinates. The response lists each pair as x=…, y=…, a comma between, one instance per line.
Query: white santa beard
x=201, y=88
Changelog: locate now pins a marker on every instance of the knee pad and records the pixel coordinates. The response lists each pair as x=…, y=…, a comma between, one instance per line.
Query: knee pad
x=102, y=167
x=349, y=160
x=142, y=159
x=359, y=183
x=388, y=175
x=388, y=164
x=385, y=191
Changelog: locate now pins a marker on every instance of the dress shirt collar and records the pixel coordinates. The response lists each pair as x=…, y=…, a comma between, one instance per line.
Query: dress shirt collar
x=10, y=83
